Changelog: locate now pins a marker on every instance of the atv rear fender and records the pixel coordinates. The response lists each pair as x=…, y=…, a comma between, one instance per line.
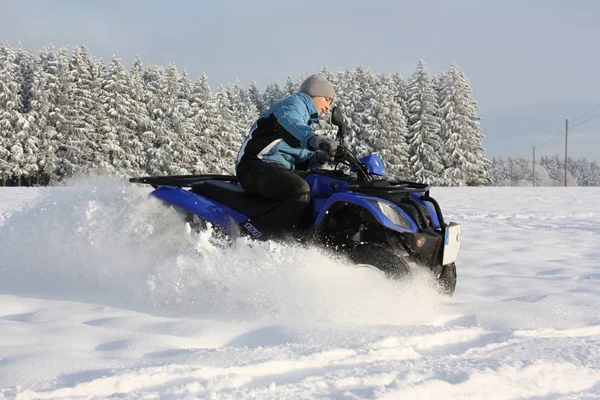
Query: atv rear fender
x=216, y=214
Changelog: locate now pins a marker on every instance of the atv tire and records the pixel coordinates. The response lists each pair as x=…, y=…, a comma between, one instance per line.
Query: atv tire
x=382, y=258
x=447, y=280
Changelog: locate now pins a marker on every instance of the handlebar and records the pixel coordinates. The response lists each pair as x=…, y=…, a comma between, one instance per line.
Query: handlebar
x=344, y=155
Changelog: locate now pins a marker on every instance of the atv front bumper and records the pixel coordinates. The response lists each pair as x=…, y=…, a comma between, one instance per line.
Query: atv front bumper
x=431, y=248
x=452, y=239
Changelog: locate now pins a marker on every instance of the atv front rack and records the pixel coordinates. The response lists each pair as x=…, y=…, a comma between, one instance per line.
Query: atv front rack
x=384, y=187
x=181, y=180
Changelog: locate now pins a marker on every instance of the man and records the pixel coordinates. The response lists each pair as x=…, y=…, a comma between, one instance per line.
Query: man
x=281, y=143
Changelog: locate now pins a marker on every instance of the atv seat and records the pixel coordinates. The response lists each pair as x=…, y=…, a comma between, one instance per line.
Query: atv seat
x=234, y=197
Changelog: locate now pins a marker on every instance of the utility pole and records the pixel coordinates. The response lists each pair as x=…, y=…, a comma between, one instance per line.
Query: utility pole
x=566, y=141
x=533, y=166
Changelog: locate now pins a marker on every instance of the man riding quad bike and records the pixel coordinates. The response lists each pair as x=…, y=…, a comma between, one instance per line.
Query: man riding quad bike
x=281, y=188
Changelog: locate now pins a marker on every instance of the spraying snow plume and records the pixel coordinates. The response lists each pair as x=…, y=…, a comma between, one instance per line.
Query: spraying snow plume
x=106, y=239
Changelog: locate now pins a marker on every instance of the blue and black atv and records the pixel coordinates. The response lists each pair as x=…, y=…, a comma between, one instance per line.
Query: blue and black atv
x=390, y=225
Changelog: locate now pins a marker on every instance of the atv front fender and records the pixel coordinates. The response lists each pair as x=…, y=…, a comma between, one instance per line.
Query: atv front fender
x=389, y=215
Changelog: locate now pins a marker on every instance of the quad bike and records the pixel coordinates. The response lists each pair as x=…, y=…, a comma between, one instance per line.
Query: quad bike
x=391, y=225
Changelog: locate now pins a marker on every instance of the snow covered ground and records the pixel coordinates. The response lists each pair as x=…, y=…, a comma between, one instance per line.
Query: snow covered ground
x=103, y=295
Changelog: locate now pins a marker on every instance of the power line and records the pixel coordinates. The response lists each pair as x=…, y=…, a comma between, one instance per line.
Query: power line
x=585, y=120
x=553, y=137
x=571, y=126
x=584, y=114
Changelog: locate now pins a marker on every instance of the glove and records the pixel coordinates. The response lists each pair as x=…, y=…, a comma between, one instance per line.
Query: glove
x=324, y=145
x=322, y=157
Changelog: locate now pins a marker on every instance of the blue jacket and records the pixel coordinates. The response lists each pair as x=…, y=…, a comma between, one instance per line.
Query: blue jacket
x=281, y=134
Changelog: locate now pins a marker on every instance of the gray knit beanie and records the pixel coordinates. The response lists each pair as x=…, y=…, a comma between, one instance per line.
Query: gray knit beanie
x=317, y=85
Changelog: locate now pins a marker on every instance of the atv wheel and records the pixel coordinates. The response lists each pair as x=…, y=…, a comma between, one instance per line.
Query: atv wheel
x=447, y=279
x=382, y=258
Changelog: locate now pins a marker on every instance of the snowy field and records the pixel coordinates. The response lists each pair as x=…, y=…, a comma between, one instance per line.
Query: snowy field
x=103, y=295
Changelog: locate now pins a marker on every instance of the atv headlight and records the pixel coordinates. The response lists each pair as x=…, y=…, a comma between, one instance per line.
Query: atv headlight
x=391, y=213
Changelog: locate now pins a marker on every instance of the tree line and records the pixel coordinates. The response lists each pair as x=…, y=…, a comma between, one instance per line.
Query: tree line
x=65, y=112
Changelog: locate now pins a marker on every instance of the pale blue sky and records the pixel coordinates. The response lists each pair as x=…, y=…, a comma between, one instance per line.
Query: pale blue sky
x=532, y=63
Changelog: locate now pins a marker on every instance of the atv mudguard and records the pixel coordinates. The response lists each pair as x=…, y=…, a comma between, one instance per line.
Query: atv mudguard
x=216, y=214
x=368, y=203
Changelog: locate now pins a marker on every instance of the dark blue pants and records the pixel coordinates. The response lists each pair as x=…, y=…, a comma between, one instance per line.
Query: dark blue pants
x=277, y=183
